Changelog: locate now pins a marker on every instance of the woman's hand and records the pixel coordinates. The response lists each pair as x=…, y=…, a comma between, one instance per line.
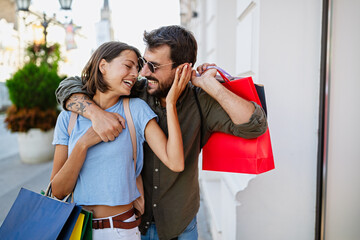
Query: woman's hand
x=182, y=77
x=89, y=139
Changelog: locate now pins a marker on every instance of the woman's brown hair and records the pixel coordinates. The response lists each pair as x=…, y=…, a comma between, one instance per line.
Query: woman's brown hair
x=91, y=76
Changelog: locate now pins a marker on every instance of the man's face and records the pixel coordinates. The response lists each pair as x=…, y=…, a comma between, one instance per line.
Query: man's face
x=159, y=82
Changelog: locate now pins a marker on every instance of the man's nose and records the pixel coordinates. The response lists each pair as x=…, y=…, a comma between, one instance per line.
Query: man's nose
x=145, y=71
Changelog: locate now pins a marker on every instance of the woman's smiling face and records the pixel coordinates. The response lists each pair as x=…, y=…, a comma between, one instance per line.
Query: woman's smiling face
x=121, y=72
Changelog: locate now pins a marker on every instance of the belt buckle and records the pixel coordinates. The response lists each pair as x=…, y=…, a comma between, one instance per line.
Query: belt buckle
x=99, y=224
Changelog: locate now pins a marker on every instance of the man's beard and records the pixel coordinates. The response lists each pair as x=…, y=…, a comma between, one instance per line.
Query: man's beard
x=162, y=88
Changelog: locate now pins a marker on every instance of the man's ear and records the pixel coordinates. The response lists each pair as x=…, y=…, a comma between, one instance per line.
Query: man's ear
x=102, y=66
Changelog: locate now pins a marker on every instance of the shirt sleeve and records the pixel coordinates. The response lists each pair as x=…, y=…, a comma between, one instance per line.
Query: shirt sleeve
x=61, y=136
x=217, y=120
x=66, y=88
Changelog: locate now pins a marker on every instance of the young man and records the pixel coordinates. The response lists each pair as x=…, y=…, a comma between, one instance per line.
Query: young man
x=172, y=199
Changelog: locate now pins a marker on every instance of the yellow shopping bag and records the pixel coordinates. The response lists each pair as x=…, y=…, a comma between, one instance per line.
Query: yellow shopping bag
x=76, y=233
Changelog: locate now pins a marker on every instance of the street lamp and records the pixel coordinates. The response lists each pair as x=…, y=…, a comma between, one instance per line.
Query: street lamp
x=65, y=4
x=23, y=5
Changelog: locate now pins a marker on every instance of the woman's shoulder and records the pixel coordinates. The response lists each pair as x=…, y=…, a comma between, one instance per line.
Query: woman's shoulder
x=139, y=108
x=137, y=102
x=64, y=115
x=63, y=120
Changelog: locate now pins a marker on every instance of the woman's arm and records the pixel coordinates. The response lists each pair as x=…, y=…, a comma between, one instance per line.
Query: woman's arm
x=66, y=170
x=170, y=151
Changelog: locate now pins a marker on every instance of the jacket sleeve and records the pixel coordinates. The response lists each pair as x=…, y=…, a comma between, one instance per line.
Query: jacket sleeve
x=67, y=87
x=217, y=120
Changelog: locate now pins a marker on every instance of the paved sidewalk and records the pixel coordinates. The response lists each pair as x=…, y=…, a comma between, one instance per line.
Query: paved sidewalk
x=14, y=174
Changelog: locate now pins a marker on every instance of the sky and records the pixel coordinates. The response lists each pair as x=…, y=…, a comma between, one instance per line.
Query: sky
x=129, y=20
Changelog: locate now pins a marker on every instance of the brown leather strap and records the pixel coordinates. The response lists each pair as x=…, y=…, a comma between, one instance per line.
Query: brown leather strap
x=118, y=221
x=72, y=121
x=139, y=203
x=131, y=126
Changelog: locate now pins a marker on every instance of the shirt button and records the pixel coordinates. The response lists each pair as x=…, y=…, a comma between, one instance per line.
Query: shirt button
x=147, y=223
x=155, y=187
x=146, y=226
x=154, y=205
x=156, y=169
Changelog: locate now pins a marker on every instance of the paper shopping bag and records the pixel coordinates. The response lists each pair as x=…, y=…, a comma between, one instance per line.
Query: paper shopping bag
x=76, y=232
x=227, y=153
x=35, y=216
x=87, y=226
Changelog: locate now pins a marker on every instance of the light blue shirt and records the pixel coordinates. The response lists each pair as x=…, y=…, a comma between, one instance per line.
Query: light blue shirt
x=107, y=176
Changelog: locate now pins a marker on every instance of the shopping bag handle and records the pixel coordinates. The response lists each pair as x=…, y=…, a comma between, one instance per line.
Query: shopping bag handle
x=259, y=88
x=48, y=193
x=225, y=76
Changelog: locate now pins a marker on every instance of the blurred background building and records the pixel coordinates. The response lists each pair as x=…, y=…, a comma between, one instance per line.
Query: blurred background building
x=9, y=47
x=104, y=28
x=79, y=30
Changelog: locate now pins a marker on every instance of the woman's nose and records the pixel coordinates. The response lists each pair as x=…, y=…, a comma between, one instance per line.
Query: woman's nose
x=134, y=73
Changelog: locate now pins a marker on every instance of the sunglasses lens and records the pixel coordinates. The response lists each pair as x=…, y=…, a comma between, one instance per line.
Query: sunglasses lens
x=151, y=67
x=142, y=63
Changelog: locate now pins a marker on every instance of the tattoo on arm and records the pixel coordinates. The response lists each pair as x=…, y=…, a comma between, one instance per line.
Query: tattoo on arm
x=78, y=104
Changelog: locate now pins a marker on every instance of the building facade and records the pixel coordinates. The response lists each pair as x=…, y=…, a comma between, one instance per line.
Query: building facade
x=306, y=55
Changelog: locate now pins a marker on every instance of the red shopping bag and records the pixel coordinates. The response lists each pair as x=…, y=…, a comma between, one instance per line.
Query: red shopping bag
x=227, y=153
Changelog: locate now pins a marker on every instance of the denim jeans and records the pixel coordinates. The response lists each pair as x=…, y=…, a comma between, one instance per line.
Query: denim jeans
x=190, y=232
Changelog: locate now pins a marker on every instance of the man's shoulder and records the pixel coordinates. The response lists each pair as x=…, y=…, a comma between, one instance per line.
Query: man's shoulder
x=201, y=95
x=73, y=78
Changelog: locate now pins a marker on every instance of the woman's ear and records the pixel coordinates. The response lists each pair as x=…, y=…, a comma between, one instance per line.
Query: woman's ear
x=102, y=66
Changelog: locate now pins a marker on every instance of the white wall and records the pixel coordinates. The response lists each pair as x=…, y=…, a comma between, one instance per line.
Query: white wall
x=289, y=67
x=343, y=192
x=285, y=57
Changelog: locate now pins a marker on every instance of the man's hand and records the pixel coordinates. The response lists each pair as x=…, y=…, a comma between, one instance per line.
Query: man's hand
x=207, y=77
x=107, y=125
x=89, y=139
x=202, y=68
x=238, y=109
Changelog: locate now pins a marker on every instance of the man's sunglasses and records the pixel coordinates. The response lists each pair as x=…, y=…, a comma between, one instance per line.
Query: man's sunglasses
x=150, y=65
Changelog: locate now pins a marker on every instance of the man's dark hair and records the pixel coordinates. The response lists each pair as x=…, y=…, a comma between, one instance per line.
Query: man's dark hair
x=91, y=76
x=182, y=43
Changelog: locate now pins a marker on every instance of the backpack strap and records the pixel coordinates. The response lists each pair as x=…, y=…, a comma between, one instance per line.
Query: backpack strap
x=131, y=126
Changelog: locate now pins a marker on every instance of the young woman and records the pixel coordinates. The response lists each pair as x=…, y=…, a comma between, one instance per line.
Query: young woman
x=102, y=174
